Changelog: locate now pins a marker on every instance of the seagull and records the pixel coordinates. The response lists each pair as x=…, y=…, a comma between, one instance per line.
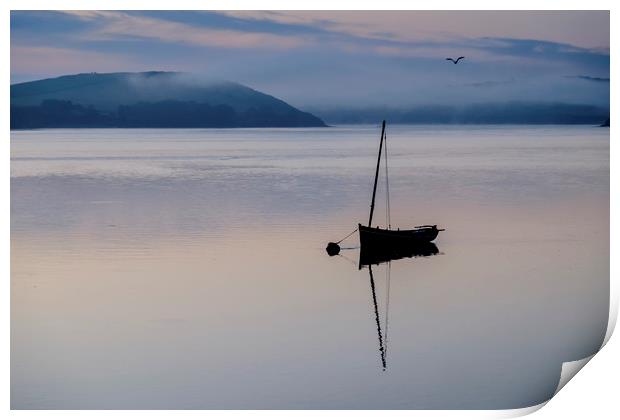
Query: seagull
x=453, y=60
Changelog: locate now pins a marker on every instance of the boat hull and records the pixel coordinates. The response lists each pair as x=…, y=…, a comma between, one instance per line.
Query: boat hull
x=381, y=245
x=386, y=238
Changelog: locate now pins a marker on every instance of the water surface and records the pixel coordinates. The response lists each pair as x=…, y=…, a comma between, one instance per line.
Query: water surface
x=186, y=268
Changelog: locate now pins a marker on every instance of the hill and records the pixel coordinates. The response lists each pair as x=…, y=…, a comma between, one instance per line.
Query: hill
x=150, y=99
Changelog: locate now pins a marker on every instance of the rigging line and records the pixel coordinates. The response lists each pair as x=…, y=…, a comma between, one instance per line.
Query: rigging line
x=348, y=259
x=347, y=236
x=387, y=185
x=374, y=188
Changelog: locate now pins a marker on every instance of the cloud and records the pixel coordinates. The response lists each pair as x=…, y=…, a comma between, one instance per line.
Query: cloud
x=412, y=26
x=89, y=15
x=381, y=32
x=490, y=83
x=592, y=78
x=112, y=25
x=57, y=60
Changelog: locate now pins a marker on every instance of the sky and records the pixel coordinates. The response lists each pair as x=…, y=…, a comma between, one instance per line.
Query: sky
x=332, y=59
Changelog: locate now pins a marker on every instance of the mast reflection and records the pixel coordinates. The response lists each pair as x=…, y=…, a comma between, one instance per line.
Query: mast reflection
x=368, y=259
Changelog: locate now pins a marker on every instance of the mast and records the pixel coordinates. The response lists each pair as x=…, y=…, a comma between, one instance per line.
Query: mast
x=374, y=189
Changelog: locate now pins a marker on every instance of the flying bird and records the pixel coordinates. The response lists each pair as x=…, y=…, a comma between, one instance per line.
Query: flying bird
x=453, y=60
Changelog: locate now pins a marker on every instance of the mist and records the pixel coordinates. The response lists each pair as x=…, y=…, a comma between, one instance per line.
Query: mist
x=361, y=59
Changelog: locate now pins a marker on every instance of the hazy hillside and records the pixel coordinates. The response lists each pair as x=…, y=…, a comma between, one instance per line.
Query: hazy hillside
x=151, y=99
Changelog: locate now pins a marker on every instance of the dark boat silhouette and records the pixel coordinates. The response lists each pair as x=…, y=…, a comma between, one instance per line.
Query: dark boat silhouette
x=375, y=240
x=379, y=255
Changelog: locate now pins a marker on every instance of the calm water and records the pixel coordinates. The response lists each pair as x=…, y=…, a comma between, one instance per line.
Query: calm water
x=186, y=268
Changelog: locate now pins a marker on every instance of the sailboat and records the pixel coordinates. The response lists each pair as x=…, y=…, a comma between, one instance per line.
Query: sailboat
x=383, y=244
x=378, y=241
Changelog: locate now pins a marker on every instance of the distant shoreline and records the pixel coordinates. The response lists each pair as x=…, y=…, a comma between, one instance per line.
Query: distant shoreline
x=171, y=100
x=593, y=125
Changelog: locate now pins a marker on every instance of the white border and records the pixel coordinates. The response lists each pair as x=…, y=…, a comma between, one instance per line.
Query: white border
x=592, y=395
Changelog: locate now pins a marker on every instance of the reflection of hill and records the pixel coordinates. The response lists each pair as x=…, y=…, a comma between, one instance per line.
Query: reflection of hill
x=153, y=99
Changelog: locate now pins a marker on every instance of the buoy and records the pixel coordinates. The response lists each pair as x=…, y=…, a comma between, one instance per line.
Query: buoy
x=332, y=249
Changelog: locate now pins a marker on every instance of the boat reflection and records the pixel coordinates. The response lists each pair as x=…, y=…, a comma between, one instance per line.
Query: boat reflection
x=368, y=259
x=370, y=256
